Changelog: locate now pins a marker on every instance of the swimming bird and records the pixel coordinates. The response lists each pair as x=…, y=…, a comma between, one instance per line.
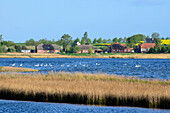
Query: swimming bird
x=20, y=65
x=41, y=65
x=50, y=65
x=62, y=65
x=75, y=65
x=97, y=64
x=124, y=64
x=138, y=66
x=13, y=64
x=84, y=65
x=68, y=65
x=45, y=65
x=37, y=65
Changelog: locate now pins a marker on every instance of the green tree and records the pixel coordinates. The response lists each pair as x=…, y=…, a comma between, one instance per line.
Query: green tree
x=88, y=41
x=124, y=39
x=120, y=39
x=151, y=50
x=75, y=49
x=99, y=40
x=18, y=48
x=109, y=40
x=12, y=49
x=133, y=40
x=0, y=38
x=94, y=41
x=158, y=43
x=66, y=40
x=163, y=49
x=77, y=39
x=155, y=35
x=82, y=41
x=115, y=40
x=104, y=40
x=5, y=48
x=85, y=37
x=43, y=41
x=8, y=43
x=90, y=50
x=31, y=42
x=167, y=38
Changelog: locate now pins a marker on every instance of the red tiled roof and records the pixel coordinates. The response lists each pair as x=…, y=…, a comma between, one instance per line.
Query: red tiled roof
x=147, y=45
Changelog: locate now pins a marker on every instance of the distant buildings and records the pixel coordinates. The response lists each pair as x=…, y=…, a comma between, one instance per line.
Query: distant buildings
x=120, y=48
x=144, y=48
x=47, y=48
x=28, y=49
x=85, y=48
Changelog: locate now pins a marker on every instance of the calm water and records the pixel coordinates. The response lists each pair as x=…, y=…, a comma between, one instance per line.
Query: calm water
x=144, y=68
x=39, y=107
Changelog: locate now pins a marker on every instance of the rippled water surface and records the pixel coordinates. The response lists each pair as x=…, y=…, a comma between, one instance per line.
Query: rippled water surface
x=7, y=106
x=144, y=68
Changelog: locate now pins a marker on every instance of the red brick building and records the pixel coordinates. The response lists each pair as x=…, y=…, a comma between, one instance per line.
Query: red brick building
x=120, y=48
x=84, y=48
x=47, y=48
x=146, y=46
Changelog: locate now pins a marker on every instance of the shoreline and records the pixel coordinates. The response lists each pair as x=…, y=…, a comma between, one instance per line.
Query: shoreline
x=86, y=89
x=123, y=56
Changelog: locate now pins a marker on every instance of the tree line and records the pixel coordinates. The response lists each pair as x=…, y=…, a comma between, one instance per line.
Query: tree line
x=66, y=41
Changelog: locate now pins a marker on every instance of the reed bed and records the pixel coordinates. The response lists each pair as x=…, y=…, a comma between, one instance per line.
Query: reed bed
x=82, y=88
x=16, y=69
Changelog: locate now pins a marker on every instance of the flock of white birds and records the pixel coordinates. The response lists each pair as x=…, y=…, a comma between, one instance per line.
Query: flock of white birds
x=63, y=65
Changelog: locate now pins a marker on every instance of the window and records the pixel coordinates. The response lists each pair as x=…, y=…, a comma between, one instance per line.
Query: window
x=52, y=51
x=44, y=51
x=113, y=50
x=149, y=45
x=48, y=51
x=39, y=51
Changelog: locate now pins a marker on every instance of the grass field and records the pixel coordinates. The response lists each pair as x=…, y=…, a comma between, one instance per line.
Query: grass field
x=79, y=88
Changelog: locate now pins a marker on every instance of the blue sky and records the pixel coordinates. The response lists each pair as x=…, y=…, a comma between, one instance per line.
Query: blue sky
x=21, y=20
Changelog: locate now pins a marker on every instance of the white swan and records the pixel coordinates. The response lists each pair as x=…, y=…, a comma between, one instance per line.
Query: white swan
x=20, y=65
x=97, y=64
x=36, y=65
x=50, y=65
x=138, y=66
x=13, y=64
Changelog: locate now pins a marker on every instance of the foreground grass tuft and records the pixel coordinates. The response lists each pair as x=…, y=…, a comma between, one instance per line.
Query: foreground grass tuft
x=80, y=88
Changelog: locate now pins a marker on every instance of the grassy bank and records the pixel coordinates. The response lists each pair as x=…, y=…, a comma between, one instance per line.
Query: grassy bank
x=16, y=69
x=81, y=88
x=104, y=55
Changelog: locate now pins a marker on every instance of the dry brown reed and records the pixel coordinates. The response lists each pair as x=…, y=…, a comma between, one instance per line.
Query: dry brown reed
x=53, y=55
x=17, y=69
x=80, y=88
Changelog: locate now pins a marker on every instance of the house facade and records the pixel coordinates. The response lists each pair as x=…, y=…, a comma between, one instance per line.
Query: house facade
x=144, y=48
x=47, y=48
x=28, y=49
x=120, y=48
x=84, y=48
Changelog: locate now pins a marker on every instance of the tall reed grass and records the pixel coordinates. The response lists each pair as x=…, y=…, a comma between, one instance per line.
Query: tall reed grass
x=80, y=88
